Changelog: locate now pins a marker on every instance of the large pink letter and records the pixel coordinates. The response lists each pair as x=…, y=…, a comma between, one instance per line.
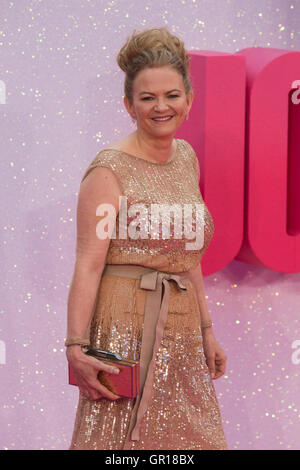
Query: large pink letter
x=215, y=129
x=272, y=192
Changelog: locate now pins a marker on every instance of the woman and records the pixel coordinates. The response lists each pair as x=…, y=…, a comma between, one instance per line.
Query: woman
x=177, y=407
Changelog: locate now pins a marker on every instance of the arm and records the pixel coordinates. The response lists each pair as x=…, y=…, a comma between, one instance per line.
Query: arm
x=215, y=356
x=100, y=186
x=196, y=278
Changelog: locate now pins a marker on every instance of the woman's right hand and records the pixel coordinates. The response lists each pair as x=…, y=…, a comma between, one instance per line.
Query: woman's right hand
x=86, y=369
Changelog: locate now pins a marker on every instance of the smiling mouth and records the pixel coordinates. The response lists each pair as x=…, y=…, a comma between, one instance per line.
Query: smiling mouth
x=162, y=119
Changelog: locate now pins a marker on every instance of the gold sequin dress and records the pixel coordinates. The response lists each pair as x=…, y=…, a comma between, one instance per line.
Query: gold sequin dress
x=183, y=413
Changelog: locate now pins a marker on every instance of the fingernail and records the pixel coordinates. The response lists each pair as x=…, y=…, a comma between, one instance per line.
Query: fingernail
x=212, y=375
x=116, y=371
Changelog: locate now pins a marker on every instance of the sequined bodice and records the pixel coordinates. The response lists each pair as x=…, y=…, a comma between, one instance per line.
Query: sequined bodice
x=145, y=185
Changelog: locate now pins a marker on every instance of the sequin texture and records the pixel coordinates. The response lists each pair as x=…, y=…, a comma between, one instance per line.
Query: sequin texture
x=184, y=411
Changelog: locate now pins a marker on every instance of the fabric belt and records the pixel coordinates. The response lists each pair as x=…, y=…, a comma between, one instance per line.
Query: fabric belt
x=155, y=316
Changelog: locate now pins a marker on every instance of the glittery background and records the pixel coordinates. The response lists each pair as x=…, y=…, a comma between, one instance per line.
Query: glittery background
x=63, y=103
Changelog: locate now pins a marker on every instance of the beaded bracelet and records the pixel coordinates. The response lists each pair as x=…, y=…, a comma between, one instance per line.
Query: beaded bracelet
x=79, y=341
x=206, y=324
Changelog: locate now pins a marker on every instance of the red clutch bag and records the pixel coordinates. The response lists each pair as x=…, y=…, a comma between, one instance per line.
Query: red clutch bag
x=126, y=383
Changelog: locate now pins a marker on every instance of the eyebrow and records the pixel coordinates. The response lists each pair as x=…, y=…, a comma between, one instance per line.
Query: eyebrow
x=149, y=93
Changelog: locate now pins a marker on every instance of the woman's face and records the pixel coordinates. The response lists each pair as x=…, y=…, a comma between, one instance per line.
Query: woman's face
x=158, y=93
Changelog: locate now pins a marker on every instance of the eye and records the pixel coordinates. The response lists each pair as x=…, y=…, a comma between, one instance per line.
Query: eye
x=147, y=98
x=173, y=96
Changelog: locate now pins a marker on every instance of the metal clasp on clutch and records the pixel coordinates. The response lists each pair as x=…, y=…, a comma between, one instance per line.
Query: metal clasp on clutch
x=101, y=353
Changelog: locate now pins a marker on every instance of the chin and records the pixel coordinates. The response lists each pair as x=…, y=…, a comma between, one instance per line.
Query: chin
x=164, y=130
x=166, y=133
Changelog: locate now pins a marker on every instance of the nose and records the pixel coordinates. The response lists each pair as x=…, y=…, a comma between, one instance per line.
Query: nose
x=161, y=105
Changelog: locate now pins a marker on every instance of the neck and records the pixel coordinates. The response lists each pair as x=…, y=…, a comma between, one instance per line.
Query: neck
x=159, y=149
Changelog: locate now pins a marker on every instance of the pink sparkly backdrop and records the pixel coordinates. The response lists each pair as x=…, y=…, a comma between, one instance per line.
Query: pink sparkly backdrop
x=62, y=103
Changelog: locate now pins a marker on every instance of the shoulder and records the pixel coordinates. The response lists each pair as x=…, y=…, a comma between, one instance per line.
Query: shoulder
x=186, y=145
x=187, y=150
x=106, y=158
x=191, y=156
x=106, y=163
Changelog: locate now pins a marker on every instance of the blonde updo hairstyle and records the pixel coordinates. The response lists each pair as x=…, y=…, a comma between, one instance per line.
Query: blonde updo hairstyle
x=153, y=47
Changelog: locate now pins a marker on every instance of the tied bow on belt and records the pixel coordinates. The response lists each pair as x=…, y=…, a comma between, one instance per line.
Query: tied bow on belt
x=155, y=317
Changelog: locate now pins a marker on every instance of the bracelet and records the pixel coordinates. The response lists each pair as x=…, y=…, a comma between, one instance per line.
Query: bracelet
x=206, y=324
x=79, y=341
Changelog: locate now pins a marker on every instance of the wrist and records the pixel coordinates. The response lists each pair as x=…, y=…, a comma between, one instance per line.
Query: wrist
x=73, y=351
x=72, y=340
x=207, y=331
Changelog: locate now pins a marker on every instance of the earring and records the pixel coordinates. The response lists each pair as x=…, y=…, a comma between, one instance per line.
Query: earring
x=133, y=120
x=186, y=117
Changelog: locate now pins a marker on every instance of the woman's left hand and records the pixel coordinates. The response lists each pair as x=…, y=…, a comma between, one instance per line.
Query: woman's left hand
x=215, y=356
